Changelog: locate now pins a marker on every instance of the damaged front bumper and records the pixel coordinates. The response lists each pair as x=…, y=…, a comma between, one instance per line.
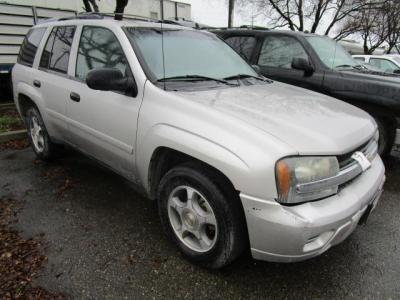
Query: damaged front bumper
x=293, y=233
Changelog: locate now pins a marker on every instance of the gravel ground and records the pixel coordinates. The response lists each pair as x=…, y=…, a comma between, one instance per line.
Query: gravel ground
x=105, y=241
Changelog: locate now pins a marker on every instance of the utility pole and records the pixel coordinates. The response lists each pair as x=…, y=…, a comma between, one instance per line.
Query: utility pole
x=231, y=7
x=162, y=9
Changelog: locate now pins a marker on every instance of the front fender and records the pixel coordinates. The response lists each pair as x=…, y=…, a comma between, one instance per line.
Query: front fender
x=165, y=135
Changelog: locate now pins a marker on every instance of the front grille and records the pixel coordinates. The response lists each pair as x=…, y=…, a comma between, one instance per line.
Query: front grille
x=346, y=161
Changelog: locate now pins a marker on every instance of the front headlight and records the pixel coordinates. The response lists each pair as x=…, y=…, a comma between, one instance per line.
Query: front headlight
x=298, y=170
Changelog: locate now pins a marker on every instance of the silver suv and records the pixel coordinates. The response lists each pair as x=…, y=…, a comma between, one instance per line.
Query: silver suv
x=233, y=159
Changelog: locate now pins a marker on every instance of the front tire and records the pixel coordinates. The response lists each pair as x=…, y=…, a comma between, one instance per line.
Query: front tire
x=387, y=134
x=38, y=136
x=205, y=223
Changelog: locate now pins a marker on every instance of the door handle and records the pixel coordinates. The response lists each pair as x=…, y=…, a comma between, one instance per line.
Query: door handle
x=75, y=97
x=37, y=83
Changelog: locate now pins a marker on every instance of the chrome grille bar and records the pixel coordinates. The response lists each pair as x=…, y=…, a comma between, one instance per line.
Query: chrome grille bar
x=342, y=177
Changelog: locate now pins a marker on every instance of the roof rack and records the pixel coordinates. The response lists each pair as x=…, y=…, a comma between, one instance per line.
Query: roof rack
x=99, y=16
x=249, y=27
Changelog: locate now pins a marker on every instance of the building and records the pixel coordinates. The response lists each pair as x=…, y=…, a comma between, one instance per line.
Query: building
x=145, y=8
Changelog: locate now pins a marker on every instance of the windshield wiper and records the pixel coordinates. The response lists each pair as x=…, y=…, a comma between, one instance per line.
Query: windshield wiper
x=360, y=67
x=344, y=66
x=196, y=78
x=241, y=76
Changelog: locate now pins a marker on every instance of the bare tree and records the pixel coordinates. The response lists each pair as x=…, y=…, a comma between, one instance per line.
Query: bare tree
x=392, y=9
x=307, y=15
x=376, y=24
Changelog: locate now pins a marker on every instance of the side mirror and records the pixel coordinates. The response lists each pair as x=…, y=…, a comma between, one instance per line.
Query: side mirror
x=303, y=64
x=257, y=69
x=108, y=79
x=397, y=71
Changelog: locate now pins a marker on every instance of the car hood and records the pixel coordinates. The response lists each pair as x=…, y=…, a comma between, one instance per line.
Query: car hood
x=309, y=122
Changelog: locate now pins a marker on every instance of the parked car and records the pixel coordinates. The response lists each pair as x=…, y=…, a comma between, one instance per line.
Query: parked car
x=320, y=64
x=233, y=160
x=385, y=63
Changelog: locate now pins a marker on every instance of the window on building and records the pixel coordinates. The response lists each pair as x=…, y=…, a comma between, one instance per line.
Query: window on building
x=56, y=53
x=29, y=46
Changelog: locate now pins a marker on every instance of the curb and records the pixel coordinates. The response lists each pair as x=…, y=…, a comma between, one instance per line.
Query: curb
x=7, y=104
x=12, y=135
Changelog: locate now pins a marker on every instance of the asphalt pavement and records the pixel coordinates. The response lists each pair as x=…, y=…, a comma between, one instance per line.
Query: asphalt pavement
x=104, y=241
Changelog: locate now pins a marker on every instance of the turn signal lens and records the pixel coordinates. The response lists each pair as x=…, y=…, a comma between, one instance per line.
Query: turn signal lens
x=293, y=171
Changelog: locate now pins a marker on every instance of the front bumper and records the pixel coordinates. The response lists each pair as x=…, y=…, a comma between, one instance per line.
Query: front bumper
x=293, y=233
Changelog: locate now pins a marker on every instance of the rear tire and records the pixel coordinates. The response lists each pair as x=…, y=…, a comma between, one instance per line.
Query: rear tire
x=38, y=137
x=215, y=242
x=387, y=135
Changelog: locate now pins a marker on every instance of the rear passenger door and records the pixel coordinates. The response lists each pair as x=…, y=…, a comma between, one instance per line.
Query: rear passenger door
x=51, y=79
x=275, y=60
x=102, y=123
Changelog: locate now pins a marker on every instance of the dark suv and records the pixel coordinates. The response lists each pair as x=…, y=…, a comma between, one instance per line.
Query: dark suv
x=320, y=64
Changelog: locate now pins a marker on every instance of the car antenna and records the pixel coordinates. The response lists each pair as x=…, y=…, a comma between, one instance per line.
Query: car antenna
x=163, y=56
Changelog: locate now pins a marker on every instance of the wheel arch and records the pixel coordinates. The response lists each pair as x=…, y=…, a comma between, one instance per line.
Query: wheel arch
x=164, y=159
x=166, y=146
x=27, y=96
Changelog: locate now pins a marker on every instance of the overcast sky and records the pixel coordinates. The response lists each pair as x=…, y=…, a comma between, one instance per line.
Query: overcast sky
x=215, y=13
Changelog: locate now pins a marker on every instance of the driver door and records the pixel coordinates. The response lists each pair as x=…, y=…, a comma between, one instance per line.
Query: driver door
x=275, y=61
x=102, y=123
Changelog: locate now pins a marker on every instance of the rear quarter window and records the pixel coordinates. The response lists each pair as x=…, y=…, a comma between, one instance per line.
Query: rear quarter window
x=29, y=46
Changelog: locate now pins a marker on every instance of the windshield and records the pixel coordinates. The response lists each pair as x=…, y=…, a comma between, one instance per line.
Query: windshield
x=186, y=52
x=332, y=54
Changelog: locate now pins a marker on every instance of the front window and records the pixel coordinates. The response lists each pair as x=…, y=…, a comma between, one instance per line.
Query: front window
x=244, y=45
x=331, y=53
x=183, y=52
x=384, y=65
x=278, y=51
x=99, y=48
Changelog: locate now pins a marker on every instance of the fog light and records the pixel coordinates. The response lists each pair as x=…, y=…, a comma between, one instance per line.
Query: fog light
x=317, y=242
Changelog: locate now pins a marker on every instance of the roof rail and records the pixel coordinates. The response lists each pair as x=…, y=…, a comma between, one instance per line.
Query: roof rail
x=98, y=16
x=83, y=16
x=249, y=27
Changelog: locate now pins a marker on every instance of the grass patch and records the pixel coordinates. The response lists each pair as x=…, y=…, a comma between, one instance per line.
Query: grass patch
x=7, y=123
x=10, y=120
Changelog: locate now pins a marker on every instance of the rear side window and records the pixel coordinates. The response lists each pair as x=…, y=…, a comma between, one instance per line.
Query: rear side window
x=99, y=48
x=29, y=46
x=56, y=53
x=244, y=45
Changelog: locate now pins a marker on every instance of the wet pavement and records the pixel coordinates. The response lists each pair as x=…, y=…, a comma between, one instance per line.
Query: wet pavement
x=104, y=240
